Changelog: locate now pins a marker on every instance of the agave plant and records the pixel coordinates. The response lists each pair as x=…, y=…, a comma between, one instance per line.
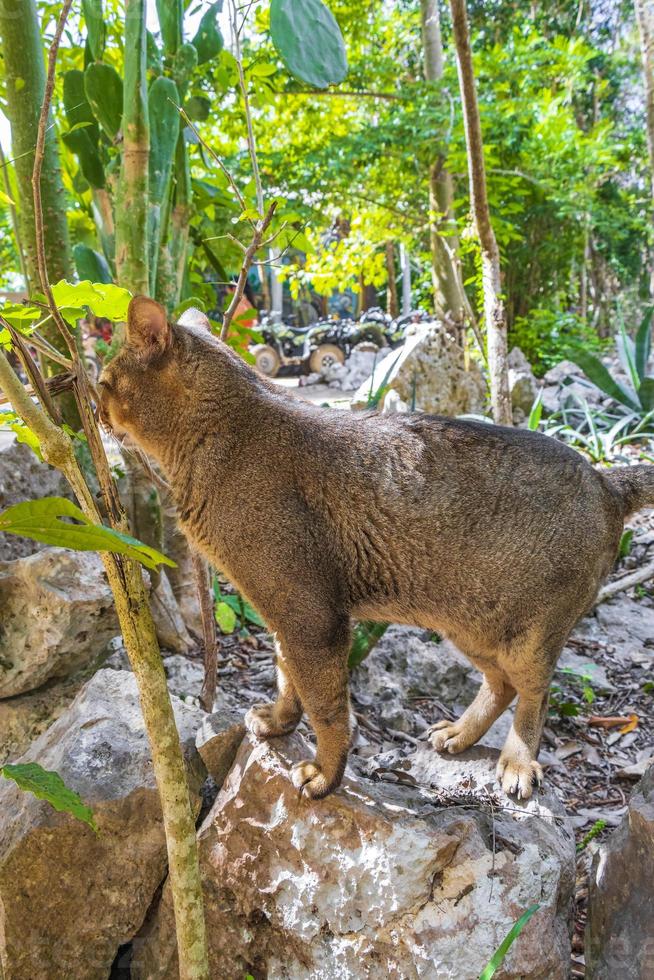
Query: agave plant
x=634, y=355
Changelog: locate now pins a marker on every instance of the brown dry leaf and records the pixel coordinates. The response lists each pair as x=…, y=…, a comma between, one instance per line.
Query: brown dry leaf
x=631, y=724
x=613, y=721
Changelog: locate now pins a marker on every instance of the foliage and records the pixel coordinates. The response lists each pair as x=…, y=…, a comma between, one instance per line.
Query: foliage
x=49, y=786
x=232, y=610
x=365, y=635
x=634, y=357
x=41, y=520
x=594, y=832
x=498, y=957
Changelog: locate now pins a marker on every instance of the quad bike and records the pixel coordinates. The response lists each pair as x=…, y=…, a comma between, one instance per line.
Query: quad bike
x=311, y=348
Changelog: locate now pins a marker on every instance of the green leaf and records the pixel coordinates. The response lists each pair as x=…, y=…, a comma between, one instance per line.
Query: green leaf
x=646, y=394
x=643, y=343
x=95, y=26
x=41, y=520
x=81, y=143
x=5, y=199
x=365, y=636
x=598, y=374
x=89, y=264
x=49, y=786
x=209, y=42
x=103, y=299
x=536, y=412
x=498, y=957
x=309, y=40
x=77, y=107
x=225, y=617
x=104, y=91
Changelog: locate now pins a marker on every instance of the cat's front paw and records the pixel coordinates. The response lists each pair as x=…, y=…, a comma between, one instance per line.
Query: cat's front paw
x=518, y=777
x=310, y=780
x=262, y=721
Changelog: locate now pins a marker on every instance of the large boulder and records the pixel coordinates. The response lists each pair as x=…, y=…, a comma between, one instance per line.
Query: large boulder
x=24, y=477
x=523, y=385
x=57, y=616
x=430, y=372
x=376, y=880
x=620, y=931
x=68, y=897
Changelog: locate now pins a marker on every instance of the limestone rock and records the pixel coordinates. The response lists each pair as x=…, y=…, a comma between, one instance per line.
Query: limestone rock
x=522, y=383
x=23, y=477
x=377, y=880
x=168, y=620
x=218, y=739
x=57, y=616
x=429, y=370
x=24, y=717
x=620, y=931
x=68, y=897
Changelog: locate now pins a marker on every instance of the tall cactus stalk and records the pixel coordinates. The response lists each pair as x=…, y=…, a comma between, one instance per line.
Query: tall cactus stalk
x=22, y=51
x=132, y=246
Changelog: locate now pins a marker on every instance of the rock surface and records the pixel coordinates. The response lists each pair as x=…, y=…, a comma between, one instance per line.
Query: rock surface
x=430, y=370
x=620, y=931
x=68, y=897
x=377, y=880
x=57, y=616
x=522, y=384
x=23, y=477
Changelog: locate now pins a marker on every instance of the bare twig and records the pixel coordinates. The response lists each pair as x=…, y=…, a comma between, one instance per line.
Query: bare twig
x=626, y=582
x=252, y=249
x=214, y=156
x=252, y=147
x=31, y=370
x=210, y=638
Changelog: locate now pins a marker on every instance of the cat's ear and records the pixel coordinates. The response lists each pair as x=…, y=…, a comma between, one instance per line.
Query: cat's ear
x=148, y=330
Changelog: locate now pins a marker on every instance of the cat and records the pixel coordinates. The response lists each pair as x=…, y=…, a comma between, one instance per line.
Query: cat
x=495, y=537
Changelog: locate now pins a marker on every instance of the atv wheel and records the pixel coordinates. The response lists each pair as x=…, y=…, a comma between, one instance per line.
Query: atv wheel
x=325, y=357
x=266, y=360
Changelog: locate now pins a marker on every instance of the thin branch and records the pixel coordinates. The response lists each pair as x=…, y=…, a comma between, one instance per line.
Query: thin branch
x=209, y=635
x=641, y=575
x=252, y=249
x=252, y=147
x=214, y=156
x=33, y=373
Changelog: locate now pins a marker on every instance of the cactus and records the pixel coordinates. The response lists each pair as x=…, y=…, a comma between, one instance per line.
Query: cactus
x=82, y=137
x=309, y=41
x=185, y=60
x=95, y=27
x=163, y=98
x=171, y=17
x=209, y=42
x=104, y=91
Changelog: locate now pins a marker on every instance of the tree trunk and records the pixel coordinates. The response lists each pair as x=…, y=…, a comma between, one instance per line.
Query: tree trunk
x=405, y=261
x=645, y=18
x=391, y=288
x=132, y=266
x=494, y=312
x=24, y=68
x=449, y=295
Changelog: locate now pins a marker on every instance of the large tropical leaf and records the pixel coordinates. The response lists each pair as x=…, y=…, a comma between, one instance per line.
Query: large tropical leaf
x=601, y=377
x=41, y=520
x=49, y=786
x=90, y=265
x=309, y=40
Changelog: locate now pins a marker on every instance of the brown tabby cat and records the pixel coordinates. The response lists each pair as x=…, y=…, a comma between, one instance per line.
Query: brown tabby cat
x=497, y=538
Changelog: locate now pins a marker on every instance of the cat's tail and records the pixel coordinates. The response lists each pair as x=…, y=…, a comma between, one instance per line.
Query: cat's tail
x=634, y=485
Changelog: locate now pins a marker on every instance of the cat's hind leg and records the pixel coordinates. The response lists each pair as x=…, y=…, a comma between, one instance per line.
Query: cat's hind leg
x=493, y=698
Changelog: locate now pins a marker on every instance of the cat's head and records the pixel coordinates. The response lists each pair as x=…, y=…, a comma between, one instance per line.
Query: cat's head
x=146, y=390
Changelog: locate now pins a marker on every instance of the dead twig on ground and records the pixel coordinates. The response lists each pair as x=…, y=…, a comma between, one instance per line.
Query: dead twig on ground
x=641, y=575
